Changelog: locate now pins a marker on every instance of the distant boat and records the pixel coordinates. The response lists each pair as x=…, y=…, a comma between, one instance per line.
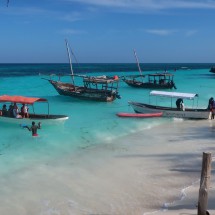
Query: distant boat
x=185, y=68
x=45, y=118
x=96, y=88
x=212, y=69
x=151, y=81
x=186, y=113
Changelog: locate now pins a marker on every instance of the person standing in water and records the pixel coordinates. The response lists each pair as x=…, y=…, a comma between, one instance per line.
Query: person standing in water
x=34, y=128
x=211, y=107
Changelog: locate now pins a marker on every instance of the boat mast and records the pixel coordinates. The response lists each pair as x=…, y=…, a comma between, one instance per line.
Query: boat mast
x=70, y=61
x=135, y=54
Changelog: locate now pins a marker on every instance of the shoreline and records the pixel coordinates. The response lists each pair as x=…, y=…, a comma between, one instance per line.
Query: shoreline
x=188, y=203
x=131, y=175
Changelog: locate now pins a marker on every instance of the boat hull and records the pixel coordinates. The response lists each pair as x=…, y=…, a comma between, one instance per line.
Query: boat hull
x=171, y=112
x=148, y=85
x=44, y=119
x=84, y=93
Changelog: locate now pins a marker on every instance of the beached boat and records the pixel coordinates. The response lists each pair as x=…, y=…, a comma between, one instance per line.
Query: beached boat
x=97, y=88
x=170, y=111
x=150, y=81
x=45, y=118
x=212, y=69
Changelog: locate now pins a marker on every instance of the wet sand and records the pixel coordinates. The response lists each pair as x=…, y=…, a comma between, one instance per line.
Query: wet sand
x=155, y=171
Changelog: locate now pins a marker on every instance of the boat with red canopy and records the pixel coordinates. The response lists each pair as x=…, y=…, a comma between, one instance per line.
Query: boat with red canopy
x=45, y=118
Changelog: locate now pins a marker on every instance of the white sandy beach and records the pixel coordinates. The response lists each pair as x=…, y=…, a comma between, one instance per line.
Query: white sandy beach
x=155, y=171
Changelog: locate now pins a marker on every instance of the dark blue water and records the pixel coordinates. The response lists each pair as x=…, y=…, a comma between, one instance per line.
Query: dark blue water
x=35, y=69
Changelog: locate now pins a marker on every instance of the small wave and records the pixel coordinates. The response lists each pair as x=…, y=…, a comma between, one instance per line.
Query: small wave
x=167, y=205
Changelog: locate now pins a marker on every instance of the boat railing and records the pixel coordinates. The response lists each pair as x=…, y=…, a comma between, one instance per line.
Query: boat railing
x=110, y=86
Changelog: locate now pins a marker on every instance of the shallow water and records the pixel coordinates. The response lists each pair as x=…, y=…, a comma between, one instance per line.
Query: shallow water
x=134, y=174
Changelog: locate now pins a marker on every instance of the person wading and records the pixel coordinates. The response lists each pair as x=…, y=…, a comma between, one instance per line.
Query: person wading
x=34, y=128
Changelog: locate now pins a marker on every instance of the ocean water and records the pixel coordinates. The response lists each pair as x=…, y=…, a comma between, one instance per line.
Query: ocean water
x=90, y=124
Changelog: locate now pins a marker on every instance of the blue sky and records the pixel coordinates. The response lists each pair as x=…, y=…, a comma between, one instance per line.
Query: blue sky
x=107, y=31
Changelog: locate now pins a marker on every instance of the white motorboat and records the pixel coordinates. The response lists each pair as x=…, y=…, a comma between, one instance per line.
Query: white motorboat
x=172, y=111
x=45, y=118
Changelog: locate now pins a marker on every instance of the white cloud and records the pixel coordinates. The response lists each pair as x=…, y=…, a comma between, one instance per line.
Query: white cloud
x=160, y=32
x=190, y=33
x=72, y=17
x=166, y=32
x=72, y=32
x=23, y=11
x=35, y=11
x=151, y=4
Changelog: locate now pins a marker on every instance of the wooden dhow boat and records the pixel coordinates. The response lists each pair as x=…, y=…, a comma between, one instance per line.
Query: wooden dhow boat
x=150, y=81
x=172, y=111
x=45, y=118
x=97, y=88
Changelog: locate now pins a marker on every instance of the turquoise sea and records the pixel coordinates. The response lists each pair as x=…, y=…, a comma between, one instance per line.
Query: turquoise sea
x=90, y=123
